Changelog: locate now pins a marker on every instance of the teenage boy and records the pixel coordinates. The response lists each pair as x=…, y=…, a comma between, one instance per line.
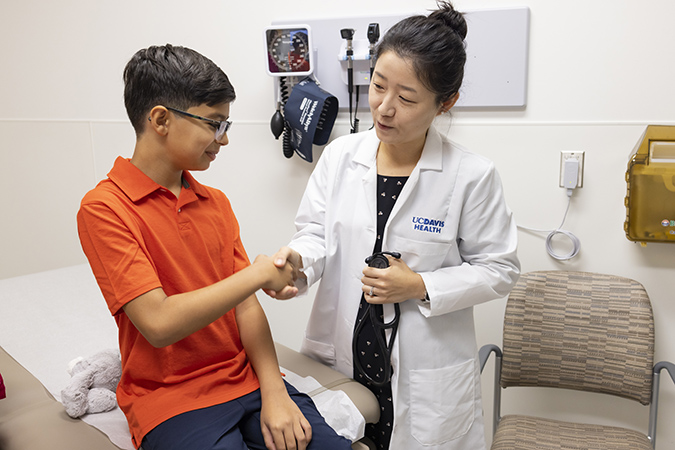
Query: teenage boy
x=199, y=370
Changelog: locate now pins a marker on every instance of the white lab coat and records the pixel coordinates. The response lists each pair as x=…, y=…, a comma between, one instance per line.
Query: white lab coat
x=453, y=227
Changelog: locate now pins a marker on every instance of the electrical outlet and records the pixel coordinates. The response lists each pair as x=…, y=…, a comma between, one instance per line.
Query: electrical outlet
x=579, y=157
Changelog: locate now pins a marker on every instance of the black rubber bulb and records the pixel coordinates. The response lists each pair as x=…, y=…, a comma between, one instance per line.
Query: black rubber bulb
x=277, y=124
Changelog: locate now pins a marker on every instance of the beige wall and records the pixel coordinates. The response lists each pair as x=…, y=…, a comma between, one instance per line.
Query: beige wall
x=599, y=73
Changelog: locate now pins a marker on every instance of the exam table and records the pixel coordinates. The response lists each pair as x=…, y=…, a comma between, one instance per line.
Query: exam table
x=48, y=319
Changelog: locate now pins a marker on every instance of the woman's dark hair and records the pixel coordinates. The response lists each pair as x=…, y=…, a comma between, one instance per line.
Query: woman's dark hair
x=434, y=45
x=172, y=76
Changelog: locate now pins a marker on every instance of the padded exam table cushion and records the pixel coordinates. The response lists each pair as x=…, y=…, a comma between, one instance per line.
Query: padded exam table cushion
x=31, y=419
x=41, y=330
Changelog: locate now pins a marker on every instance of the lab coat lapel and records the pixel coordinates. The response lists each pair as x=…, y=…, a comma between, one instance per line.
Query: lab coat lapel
x=431, y=159
x=366, y=156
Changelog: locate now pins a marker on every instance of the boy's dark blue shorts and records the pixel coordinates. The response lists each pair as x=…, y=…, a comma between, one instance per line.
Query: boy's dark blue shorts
x=235, y=425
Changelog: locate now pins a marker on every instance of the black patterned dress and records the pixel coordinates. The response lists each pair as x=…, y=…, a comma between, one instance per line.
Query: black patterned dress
x=369, y=352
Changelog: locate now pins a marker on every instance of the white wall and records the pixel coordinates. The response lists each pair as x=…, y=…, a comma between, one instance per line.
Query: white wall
x=599, y=73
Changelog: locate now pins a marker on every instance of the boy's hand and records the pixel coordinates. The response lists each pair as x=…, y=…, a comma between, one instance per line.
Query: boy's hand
x=283, y=425
x=284, y=256
x=275, y=277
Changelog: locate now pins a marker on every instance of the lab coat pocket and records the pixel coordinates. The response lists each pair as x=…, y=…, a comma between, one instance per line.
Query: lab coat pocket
x=442, y=403
x=319, y=351
x=420, y=256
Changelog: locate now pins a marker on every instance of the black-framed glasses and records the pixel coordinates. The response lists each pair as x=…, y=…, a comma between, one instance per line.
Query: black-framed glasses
x=221, y=126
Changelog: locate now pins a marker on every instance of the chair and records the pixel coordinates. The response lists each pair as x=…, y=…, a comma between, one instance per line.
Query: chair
x=582, y=331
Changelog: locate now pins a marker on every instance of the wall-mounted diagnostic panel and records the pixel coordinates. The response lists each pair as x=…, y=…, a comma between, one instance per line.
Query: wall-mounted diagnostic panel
x=497, y=45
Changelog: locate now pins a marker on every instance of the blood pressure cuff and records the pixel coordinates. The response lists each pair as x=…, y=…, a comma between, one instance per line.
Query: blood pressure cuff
x=310, y=113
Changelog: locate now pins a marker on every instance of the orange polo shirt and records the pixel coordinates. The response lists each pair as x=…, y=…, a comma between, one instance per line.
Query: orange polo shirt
x=137, y=237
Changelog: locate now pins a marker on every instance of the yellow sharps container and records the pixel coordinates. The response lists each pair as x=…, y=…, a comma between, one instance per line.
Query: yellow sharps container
x=650, y=193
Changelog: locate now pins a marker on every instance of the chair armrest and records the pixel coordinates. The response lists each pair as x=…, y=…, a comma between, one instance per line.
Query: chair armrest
x=654, y=406
x=670, y=368
x=484, y=354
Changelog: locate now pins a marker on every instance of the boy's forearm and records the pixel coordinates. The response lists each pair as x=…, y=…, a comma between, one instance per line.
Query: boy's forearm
x=281, y=420
x=256, y=338
x=165, y=320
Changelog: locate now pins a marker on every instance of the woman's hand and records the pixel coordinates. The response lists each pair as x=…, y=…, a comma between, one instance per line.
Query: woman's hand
x=394, y=284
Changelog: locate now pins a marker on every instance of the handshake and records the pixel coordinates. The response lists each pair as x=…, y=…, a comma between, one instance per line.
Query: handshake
x=281, y=271
x=386, y=278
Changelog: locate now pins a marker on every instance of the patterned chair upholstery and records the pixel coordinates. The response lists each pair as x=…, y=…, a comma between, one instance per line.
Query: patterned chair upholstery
x=582, y=331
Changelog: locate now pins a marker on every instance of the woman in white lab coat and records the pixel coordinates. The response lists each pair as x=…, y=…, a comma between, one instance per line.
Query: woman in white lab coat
x=404, y=187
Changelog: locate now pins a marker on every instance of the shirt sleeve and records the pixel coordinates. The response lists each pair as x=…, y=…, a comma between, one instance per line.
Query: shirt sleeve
x=117, y=258
x=241, y=260
x=487, y=241
x=310, y=222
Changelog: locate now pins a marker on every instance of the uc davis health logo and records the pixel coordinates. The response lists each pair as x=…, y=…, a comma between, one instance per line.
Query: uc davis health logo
x=427, y=225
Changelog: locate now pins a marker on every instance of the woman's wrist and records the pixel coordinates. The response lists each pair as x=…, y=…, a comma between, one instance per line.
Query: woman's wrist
x=421, y=290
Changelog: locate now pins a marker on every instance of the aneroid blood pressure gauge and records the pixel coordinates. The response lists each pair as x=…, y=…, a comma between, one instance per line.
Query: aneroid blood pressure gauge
x=289, y=50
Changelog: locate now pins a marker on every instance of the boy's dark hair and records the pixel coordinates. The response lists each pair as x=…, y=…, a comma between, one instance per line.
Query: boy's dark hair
x=434, y=45
x=171, y=76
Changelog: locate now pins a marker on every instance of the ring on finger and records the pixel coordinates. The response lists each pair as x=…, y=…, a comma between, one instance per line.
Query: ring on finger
x=371, y=291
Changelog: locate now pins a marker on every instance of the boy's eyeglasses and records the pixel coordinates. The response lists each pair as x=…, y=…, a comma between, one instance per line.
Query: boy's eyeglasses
x=221, y=126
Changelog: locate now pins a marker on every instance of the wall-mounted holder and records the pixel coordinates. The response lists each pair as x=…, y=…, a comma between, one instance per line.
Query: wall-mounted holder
x=497, y=46
x=361, y=58
x=650, y=191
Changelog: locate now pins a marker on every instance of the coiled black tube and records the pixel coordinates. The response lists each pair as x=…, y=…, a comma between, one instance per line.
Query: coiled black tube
x=286, y=140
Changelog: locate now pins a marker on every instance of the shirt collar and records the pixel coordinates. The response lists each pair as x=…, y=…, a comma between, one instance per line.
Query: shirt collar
x=432, y=155
x=431, y=158
x=137, y=185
